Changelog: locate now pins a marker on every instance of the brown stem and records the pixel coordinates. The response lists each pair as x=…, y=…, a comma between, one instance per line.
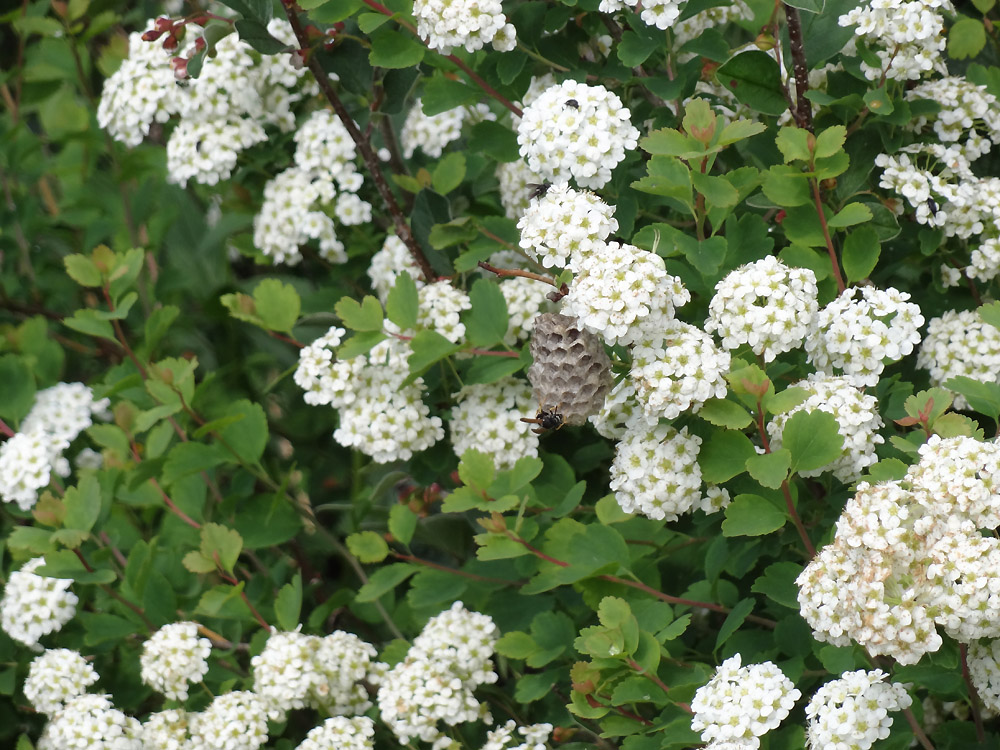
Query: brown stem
x=453, y=571
x=800, y=69
x=504, y=272
x=364, y=147
x=834, y=263
x=806, y=541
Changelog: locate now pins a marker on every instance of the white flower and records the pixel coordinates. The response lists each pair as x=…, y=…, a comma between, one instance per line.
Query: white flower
x=862, y=330
x=764, y=304
x=445, y=24
x=388, y=263
x=167, y=730
x=852, y=712
x=173, y=657
x=431, y=133
x=984, y=669
x=487, y=418
x=908, y=37
x=960, y=344
x=564, y=226
x=517, y=184
x=33, y=605
x=576, y=131
x=91, y=721
x=342, y=733
x=55, y=677
x=739, y=704
x=232, y=721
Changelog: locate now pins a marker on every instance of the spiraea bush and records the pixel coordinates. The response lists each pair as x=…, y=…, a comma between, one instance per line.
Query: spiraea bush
x=466, y=375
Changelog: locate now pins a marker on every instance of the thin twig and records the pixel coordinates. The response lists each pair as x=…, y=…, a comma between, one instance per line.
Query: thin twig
x=800, y=68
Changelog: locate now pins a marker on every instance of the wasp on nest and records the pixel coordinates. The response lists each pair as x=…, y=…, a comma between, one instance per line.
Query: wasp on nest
x=570, y=375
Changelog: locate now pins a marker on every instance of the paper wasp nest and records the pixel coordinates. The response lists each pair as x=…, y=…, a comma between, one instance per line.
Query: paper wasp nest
x=571, y=373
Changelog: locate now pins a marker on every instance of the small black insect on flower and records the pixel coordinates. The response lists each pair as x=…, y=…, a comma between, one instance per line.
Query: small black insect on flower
x=538, y=189
x=573, y=103
x=546, y=419
x=932, y=205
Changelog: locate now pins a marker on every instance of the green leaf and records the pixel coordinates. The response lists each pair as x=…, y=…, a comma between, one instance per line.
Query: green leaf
x=494, y=140
x=65, y=564
x=736, y=617
x=813, y=439
x=83, y=504
x=801, y=226
x=830, y=141
x=189, y=458
x=786, y=186
x=100, y=627
x=266, y=520
x=634, y=48
x=90, y=323
x=983, y=397
x=223, y=601
x=403, y=302
x=441, y=94
x=723, y=455
x=793, y=143
x=455, y=232
x=384, y=580
x=812, y=6
x=966, y=38
x=391, y=48
x=449, y=172
x=724, y=413
x=861, y=252
x=752, y=515
x=429, y=347
x=277, y=304
x=785, y=401
x=491, y=369
x=368, y=22
x=770, y=469
x=221, y=544
x=360, y=343
x=83, y=270
x=669, y=177
x=671, y=142
x=247, y=433
x=851, y=214
x=778, y=584
x=402, y=523
x=717, y=191
x=258, y=10
x=486, y=323
x=516, y=645
x=157, y=325
x=257, y=36
x=288, y=604
x=990, y=314
x=740, y=130
x=363, y=316
x=17, y=388
x=368, y=546
x=476, y=470
x=879, y=102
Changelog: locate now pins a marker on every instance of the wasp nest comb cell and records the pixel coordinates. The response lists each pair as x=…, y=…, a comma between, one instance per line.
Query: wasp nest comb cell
x=571, y=373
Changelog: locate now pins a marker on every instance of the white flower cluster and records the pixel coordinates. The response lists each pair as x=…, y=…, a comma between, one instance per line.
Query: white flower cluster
x=535, y=736
x=30, y=457
x=620, y=413
x=858, y=422
x=960, y=344
x=388, y=263
x=624, y=294
x=907, y=35
x=341, y=732
x=296, y=670
x=984, y=670
x=655, y=472
x=445, y=24
x=232, y=721
x=966, y=109
x=659, y=13
x=431, y=133
x=222, y=112
x=526, y=299
x=852, y=712
x=379, y=416
x=450, y=658
x=517, y=184
x=861, y=331
x=764, y=304
x=739, y=704
x=681, y=370
x=167, y=730
x=696, y=25
x=575, y=130
x=34, y=606
x=488, y=418
x=55, y=677
x=173, y=657
x=564, y=226
x=909, y=555
x=298, y=202
x=91, y=721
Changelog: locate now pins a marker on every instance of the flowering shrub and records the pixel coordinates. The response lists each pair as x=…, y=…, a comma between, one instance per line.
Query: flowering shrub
x=463, y=374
